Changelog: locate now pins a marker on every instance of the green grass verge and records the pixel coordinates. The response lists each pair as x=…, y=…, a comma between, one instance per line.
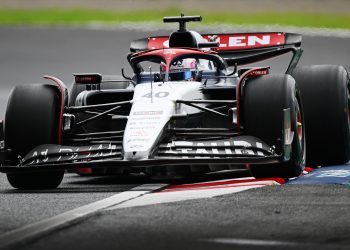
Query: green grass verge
x=81, y=17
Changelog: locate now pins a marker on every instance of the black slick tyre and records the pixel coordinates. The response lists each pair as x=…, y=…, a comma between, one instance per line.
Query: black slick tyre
x=32, y=118
x=263, y=101
x=325, y=98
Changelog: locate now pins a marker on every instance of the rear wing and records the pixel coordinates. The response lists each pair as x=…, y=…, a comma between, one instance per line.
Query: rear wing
x=236, y=48
x=228, y=43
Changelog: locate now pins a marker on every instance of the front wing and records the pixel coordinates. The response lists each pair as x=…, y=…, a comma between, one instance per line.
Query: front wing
x=108, y=163
x=180, y=153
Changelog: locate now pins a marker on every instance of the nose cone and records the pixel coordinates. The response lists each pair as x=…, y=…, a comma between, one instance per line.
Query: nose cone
x=153, y=106
x=144, y=127
x=136, y=155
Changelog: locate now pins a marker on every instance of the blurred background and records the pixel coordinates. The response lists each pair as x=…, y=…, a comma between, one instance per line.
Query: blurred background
x=310, y=13
x=334, y=6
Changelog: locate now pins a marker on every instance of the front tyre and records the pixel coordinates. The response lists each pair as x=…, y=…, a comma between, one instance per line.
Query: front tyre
x=32, y=118
x=40, y=180
x=263, y=101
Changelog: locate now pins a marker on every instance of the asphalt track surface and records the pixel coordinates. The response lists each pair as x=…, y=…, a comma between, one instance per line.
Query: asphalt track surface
x=273, y=217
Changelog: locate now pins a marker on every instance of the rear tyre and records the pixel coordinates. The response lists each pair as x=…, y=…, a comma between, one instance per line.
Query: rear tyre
x=263, y=101
x=32, y=117
x=325, y=97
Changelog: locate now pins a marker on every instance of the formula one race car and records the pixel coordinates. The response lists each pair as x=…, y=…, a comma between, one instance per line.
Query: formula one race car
x=189, y=108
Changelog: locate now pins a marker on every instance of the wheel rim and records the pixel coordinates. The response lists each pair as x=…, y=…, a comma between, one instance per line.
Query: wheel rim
x=299, y=125
x=300, y=134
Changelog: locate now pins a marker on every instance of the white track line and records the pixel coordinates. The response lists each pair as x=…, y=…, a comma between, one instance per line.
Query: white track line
x=169, y=197
x=42, y=227
x=191, y=194
x=250, y=242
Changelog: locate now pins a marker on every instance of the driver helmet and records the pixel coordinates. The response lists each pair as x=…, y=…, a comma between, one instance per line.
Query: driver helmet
x=183, y=70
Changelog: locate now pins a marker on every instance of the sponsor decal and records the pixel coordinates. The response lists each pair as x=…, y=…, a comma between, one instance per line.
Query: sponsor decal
x=161, y=94
x=246, y=41
x=145, y=118
x=230, y=41
x=258, y=72
x=135, y=146
x=229, y=147
x=56, y=153
x=160, y=112
x=137, y=140
x=138, y=133
x=172, y=52
x=42, y=154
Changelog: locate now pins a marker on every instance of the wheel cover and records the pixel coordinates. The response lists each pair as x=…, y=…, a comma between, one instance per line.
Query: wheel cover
x=300, y=132
x=299, y=124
